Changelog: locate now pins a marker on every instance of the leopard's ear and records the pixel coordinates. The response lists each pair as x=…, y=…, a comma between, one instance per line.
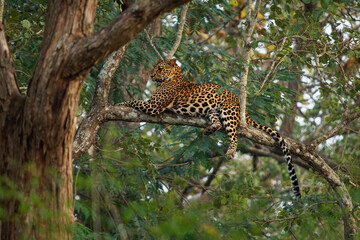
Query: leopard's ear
x=173, y=61
x=158, y=60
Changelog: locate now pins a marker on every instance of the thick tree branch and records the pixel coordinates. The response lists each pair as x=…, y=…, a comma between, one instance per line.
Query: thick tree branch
x=89, y=51
x=106, y=74
x=86, y=133
x=119, y=113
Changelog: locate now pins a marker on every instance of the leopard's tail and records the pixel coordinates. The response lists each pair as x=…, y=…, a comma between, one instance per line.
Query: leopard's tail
x=276, y=136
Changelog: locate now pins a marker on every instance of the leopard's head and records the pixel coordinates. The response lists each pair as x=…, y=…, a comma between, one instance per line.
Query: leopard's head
x=164, y=70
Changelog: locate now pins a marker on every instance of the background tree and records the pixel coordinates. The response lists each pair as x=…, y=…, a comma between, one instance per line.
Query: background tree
x=166, y=181
x=37, y=130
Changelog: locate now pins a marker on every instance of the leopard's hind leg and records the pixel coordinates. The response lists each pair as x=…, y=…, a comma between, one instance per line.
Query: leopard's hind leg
x=230, y=119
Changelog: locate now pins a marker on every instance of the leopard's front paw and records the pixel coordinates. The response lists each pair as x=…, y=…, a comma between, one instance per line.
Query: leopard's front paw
x=208, y=131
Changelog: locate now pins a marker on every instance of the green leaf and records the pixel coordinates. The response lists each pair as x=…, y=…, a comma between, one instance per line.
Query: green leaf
x=317, y=13
x=357, y=87
x=26, y=24
x=325, y=4
x=254, y=44
x=338, y=91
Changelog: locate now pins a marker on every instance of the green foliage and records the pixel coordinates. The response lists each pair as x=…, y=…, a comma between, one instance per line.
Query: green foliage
x=149, y=183
x=25, y=21
x=151, y=180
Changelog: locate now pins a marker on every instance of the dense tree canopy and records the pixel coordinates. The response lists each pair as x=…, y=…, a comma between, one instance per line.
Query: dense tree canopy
x=161, y=178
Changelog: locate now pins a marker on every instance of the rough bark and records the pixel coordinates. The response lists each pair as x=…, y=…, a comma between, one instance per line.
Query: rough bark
x=37, y=130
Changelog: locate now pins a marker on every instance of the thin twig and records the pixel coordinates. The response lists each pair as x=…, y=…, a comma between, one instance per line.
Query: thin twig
x=317, y=66
x=180, y=30
x=214, y=33
x=152, y=44
x=213, y=174
x=75, y=182
x=346, y=120
x=223, y=25
x=275, y=64
x=294, y=217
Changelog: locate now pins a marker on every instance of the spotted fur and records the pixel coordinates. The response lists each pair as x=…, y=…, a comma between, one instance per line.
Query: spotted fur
x=203, y=100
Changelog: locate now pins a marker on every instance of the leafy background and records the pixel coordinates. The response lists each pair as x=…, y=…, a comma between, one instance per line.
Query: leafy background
x=148, y=181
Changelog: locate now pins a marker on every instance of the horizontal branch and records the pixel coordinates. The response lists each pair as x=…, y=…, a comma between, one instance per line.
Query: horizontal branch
x=120, y=113
x=306, y=153
x=89, y=51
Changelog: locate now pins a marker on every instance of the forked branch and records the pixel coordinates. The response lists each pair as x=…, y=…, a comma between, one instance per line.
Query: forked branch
x=86, y=133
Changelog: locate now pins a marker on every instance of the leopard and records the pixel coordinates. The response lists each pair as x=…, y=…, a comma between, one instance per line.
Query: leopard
x=211, y=101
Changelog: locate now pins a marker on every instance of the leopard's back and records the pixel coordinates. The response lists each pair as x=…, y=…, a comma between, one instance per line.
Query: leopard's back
x=196, y=100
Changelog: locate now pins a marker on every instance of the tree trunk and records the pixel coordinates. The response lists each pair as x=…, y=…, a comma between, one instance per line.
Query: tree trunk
x=37, y=130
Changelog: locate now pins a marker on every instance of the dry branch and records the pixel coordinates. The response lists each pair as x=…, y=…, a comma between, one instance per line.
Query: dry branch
x=180, y=30
x=152, y=44
x=246, y=56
